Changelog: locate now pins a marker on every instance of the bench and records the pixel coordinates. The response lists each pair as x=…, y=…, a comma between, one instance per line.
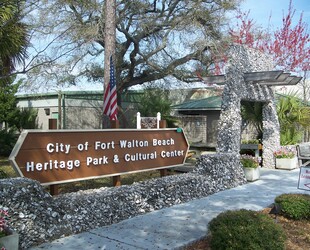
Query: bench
x=303, y=153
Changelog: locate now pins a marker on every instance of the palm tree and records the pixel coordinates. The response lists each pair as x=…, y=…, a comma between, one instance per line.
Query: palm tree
x=251, y=112
x=294, y=117
x=14, y=38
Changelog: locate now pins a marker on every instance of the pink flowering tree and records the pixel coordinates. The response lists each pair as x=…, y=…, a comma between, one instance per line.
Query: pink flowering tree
x=289, y=45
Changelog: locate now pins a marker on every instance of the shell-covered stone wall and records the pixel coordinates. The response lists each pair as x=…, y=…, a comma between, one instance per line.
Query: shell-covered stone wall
x=243, y=60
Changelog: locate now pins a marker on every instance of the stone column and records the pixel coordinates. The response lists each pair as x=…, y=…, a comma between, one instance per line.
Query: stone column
x=271, y=134
x=229, y=134
x=229, y=125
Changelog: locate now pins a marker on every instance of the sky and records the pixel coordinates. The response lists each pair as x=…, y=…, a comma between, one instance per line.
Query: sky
x=261, y=10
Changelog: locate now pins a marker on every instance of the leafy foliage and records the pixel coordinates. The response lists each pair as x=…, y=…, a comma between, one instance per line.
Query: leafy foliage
x=249, y=161
x=251, y=112
x=293, y=116
x=14, y=37
x=156, y=100
x=251, y=141
x=25, y=118
x=295, y=206
x=7, y=102
x=7, y=142
x=14, y=119
x=245, y=229
x=3, y=174
x=18, y=120
x=155, y=39
x=14, y=40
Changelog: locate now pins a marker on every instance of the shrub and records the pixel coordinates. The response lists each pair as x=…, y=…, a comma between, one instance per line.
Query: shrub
x=245, y=229
x=294, y=206
x=7, y=142
x=251, y=141
x=3, y=174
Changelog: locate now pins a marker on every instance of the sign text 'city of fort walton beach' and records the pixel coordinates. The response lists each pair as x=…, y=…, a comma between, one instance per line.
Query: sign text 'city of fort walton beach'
x=60, y=156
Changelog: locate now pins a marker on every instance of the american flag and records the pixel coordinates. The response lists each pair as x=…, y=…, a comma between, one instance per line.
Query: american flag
x=110, y=96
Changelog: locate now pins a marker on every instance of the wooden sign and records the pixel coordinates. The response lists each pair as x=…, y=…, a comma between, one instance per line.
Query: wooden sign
x=60, y=156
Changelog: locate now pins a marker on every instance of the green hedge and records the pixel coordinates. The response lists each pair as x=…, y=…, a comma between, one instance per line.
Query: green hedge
x=245, y=229
x=294, y=206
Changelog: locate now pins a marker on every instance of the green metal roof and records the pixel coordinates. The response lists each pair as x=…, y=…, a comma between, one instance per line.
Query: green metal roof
x=209, y=103
x=128, y=96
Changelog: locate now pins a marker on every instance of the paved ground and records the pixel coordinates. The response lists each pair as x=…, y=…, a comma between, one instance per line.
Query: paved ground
x=177, y=226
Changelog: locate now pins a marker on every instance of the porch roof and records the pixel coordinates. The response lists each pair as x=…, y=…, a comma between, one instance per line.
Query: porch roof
x=270, y=78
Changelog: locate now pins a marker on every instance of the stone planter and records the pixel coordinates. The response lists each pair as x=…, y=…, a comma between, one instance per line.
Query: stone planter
x=286, y=163
x=10, y=242
x=251, y=174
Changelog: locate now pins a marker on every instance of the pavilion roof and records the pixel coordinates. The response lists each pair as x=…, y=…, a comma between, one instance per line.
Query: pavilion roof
x=270, y=78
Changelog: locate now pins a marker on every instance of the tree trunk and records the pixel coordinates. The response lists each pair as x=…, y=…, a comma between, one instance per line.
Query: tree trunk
x=109, y=42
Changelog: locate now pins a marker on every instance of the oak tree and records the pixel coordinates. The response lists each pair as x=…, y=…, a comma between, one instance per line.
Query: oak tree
x=155, y=39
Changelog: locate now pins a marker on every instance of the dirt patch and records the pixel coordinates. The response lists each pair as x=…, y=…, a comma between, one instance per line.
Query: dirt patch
x=297, y=232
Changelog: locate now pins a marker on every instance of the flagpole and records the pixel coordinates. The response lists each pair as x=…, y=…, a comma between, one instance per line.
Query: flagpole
x=109, y=42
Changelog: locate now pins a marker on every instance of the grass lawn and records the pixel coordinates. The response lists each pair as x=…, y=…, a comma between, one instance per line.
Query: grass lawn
x=5, y=169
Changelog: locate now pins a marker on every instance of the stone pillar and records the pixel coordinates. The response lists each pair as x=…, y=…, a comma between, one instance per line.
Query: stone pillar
x=229, y=130
x=229, y=134
x=271, y=134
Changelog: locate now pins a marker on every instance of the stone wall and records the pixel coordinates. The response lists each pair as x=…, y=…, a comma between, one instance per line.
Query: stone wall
x=39, y=217
x=242, y=60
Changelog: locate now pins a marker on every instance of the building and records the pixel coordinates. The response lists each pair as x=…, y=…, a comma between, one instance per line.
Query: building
x=199, y=119
x=198, y=111
x=72, y=109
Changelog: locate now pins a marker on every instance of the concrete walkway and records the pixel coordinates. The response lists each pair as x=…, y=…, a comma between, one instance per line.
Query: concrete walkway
x=180, y=225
